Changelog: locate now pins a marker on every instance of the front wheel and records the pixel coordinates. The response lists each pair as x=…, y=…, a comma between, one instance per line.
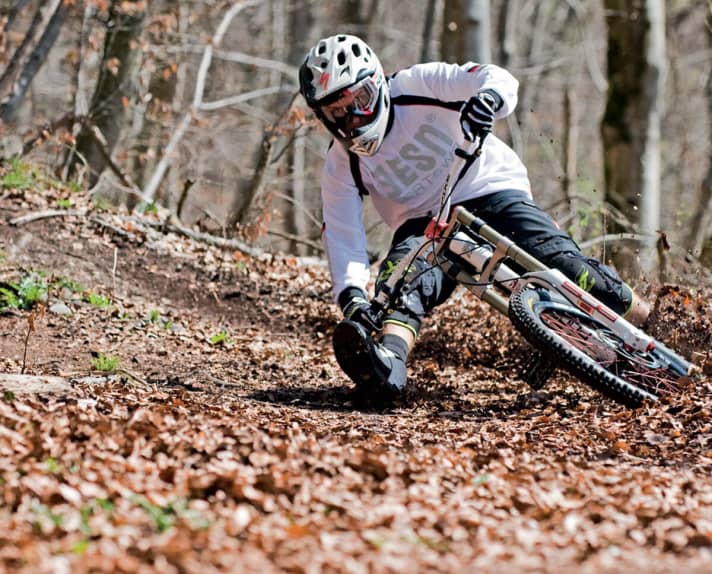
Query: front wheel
x=590, y=350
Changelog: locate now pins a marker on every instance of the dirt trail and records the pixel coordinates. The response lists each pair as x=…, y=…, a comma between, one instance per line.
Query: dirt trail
x=226, y=439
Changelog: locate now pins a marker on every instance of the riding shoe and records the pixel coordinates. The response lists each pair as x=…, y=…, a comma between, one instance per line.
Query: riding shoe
x=366, y=362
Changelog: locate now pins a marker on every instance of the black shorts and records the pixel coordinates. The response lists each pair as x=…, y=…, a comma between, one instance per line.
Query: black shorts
x=516, y=216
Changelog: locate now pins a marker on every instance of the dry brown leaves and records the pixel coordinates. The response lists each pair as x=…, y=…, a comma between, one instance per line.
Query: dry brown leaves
x=254, y=455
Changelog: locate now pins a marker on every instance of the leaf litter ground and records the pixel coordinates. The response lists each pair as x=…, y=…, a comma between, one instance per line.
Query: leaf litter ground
x=226, y=440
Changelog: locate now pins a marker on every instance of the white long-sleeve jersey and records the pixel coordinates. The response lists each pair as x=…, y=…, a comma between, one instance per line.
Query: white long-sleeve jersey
x=405, y=177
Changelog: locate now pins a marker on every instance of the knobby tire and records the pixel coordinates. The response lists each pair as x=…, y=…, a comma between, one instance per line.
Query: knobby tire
x=531, y=313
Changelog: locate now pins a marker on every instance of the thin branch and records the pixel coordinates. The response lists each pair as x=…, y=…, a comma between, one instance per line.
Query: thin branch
x=241, y=98
x=63, y=121
x=316, y=221
x=614, y=237
x=36, y=216
x=207, y=238
x=115, y=230
x=594, y=70
x=149, y=193
x=101, y=145
x=238, y=211
x=318, y=247
x=183, y=196
x=236, y=57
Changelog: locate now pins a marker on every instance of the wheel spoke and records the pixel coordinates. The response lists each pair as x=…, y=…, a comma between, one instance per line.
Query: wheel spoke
x=608, y=350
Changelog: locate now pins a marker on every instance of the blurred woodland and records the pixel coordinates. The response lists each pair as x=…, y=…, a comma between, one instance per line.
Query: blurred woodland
x=191, y=107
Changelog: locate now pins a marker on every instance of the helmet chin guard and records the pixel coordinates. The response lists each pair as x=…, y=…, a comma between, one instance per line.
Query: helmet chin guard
x=342, y=80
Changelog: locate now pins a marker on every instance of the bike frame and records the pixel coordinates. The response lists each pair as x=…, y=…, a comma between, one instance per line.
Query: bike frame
x=473, y=253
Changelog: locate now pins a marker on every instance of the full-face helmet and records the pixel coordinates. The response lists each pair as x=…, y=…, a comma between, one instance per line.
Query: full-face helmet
x=343, y=82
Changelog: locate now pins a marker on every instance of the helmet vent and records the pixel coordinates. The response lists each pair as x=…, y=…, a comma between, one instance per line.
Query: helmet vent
x=322, y=48
x=341, y=38
x=356, y=50
x=341, y=58
x=346, y=71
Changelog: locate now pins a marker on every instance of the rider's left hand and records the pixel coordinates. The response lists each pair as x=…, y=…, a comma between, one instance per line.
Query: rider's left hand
x=477, y=115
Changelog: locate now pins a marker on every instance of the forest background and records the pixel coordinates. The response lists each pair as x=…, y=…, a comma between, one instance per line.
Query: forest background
x=192, y=106
x=170, y=404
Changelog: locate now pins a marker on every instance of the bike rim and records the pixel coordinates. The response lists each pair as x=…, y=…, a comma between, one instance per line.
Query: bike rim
x=603, y=346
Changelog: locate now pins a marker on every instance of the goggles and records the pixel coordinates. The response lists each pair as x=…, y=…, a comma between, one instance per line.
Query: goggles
x=357, y=100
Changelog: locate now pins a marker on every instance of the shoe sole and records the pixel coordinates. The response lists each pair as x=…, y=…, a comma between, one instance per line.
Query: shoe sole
x=353, y=353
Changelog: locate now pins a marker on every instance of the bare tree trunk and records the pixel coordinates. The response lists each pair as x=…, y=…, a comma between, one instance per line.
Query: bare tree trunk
x=299, y=196
x=149, y=117
x=37, y=58
x=653, y=101
x=429, y=23
x=701, y=223
x=506, y=26
x=176, y=202
x=466, y=31
x=351, y=19
x=114, y=86
x=630, y=126
x=12, y=14
x=372, y=21
x=81, y=87
x=298, y=25
x=570, y=141
x=17, y=60
x=244, y=198
x=528, y=88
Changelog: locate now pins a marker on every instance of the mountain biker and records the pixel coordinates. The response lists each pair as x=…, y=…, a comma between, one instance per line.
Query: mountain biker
x=395, y=139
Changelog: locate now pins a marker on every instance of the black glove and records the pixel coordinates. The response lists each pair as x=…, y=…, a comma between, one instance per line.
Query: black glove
x=477, y=115
x=357, y=308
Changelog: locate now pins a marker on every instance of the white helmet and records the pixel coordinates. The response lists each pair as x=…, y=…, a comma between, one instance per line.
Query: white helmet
x=343, y=82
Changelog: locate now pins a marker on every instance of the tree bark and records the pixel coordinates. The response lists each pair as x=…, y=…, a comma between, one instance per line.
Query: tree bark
x=150, y=118
x=36, y=59
x=428, y=24
x=654, y=102
x=506, y=25
x=631, y=122
x=81, y=84
x=12, y=13
x=570, y=142
x=113, y=89
x=466, y=31
x=300, y=22
x=700, y=225
x=528, y=87
x=18, y=57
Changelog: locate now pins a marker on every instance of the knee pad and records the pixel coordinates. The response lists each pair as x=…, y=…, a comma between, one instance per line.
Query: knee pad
x=427, y=287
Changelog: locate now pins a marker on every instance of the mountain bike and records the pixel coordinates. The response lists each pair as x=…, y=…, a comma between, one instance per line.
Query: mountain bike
x=569, y=327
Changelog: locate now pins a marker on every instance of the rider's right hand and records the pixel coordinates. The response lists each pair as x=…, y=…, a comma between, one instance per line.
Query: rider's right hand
x=357, y=308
